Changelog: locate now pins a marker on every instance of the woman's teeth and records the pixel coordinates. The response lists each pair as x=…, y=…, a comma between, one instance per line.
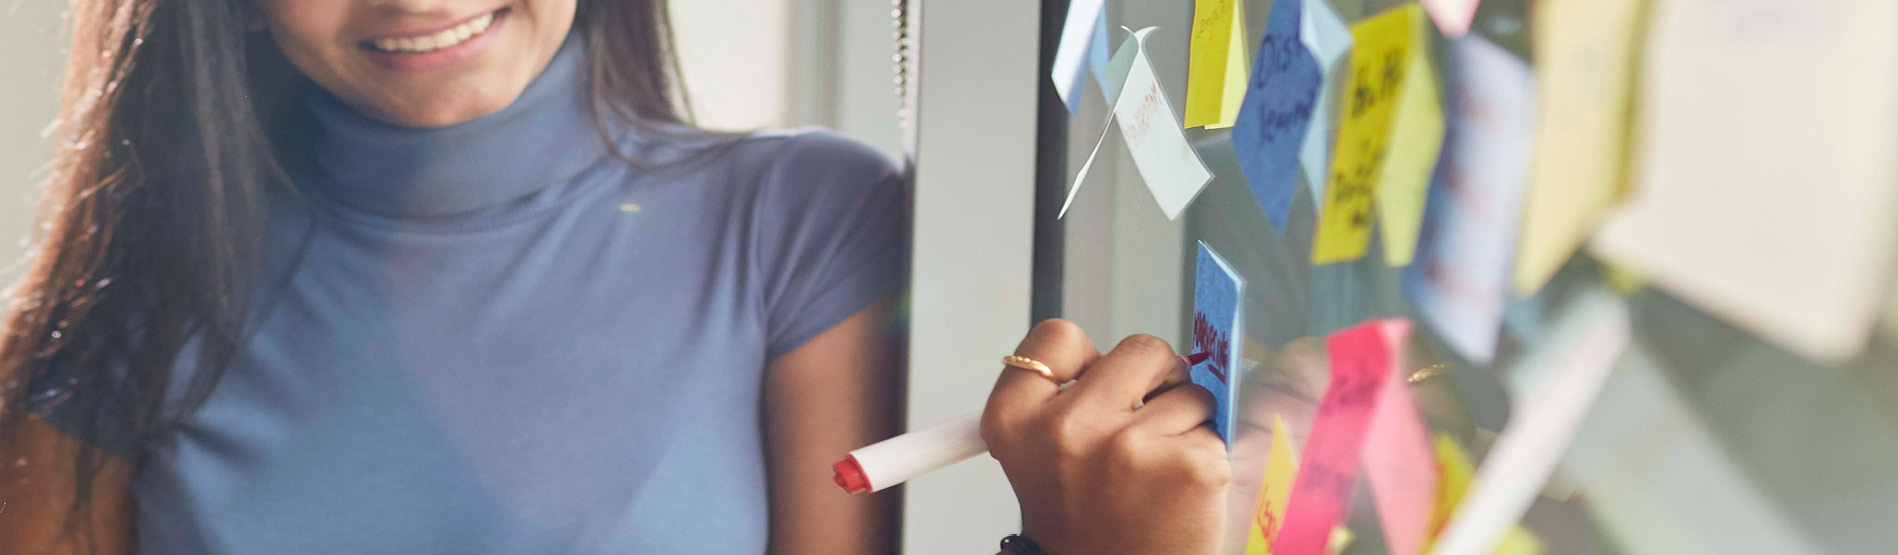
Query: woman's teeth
x=437, y=41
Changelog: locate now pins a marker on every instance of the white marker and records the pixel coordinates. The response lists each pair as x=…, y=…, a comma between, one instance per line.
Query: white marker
x=901, y=458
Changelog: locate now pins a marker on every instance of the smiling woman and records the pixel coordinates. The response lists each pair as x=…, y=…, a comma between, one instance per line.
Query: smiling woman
x=430, y=65
x=354, y=277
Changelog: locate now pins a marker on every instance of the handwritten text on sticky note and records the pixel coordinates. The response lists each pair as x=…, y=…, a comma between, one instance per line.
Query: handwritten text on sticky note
x=1173, y=171
x=1218, y=319
x=1387, y=144
x=1362, y=357
x=1278, y=109
x=1280, y=467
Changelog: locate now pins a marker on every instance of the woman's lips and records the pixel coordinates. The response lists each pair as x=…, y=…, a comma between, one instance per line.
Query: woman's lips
x=439, y=49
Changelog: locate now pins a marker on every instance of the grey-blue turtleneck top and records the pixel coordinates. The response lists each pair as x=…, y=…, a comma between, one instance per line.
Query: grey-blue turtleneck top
x=499, y=338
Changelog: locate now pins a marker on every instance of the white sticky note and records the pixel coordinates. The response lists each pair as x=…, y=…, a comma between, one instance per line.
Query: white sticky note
x=1657, y=479
x=1460, y=279
x=1550, y=390
x=1077, y=39
x=1766, y=186
x=1173, y=171
x=1328, y=39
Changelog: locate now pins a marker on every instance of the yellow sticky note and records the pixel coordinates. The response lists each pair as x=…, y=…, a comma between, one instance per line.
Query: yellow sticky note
x=1519, y=541
x=1585, y=52
x=1218, y=72
x=1390, y=133
x=1457, y=472
x=1280, y=467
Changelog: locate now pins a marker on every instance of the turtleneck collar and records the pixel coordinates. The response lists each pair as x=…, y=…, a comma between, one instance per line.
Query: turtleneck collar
x=544, y=138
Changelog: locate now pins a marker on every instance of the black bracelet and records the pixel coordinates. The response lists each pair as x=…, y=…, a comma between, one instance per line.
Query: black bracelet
x=1020, y=545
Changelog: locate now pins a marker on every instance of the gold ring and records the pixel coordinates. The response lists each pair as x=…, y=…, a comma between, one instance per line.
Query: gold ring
x=1025, y=363
x=1428, y=372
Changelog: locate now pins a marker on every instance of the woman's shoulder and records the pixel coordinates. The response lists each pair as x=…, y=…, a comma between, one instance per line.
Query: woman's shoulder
x=814, y=157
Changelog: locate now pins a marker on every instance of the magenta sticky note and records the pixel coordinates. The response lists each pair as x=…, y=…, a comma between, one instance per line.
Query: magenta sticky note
x=1363, y=358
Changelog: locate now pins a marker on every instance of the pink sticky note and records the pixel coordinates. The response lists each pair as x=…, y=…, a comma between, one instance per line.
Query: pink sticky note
x=1401, y=466
x=1453, y=17
x=1361, y=362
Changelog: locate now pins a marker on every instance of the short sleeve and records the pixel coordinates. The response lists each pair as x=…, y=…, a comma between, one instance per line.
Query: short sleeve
x=91, y=412
x=833, y=235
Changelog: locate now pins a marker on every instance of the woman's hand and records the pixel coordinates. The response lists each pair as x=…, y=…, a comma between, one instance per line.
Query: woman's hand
x=1096, y=470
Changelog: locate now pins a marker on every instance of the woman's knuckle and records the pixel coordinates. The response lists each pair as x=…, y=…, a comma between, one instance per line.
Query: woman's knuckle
x=1143, y=343
x=1058, y=331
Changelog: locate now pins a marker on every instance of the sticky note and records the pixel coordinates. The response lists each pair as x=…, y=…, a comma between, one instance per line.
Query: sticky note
x=1455, y=473
x=1585, y=53
x=1453, y=17
x=1661, y=482
x=1327, y=38
x=1173, y=171
x=1767, y=189
x=1113, y=73
x=1388, y=141
x=1550, y=390
x=1218, y=321
x=1216, y=72
x=1401, y=468
x=1363, y=358
x=1460, y=278
x=1519, y=541
x=1280, y=467
x=1079, y=42
x=1277, y=111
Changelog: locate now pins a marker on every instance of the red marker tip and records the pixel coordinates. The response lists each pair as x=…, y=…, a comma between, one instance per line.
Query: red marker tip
x=1195, y=358
x=849, y=475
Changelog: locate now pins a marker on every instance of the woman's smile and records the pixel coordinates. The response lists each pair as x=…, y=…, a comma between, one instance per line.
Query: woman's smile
x=442, y=46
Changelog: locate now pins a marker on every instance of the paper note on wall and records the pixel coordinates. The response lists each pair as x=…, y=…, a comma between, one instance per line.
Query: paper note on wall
x=1456, y=473
x=1216, y=77
x=1550, y=390
x=1172, y=170
x=1585, y=53
x=1280, y=467
x=1218, y=321
x=1659, y=480
x=1460, y=279
x=1081, y=43
x=1766, y=186
x=1277, y=112
x=1328, y=39
x=1362, y=359
x=1453, y=17
x=1519, y=541
x=1401, y=468
x=1388, y=141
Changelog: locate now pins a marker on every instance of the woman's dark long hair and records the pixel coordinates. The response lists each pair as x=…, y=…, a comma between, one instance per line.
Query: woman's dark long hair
x=167, y=142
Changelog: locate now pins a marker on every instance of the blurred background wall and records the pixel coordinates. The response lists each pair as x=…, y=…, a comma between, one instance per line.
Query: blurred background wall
x=748, y=64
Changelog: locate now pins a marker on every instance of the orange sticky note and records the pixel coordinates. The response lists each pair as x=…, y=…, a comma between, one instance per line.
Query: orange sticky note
x=1390, y=133
x=1218, y=70
x=1280, y=467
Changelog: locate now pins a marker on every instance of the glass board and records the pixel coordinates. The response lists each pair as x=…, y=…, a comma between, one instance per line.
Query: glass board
x=1816, y=441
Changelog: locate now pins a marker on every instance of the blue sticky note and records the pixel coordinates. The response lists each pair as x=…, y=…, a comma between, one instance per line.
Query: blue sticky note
x=1218, y=321
x=1098, y=56
x=1276, y=112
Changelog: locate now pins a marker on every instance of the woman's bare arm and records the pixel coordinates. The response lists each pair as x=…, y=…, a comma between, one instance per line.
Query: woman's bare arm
x=36, y=493
x=834, y=394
